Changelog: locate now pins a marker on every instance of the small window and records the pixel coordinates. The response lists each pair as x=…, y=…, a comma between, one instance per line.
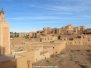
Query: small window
x=56, y=52
x=53, y=47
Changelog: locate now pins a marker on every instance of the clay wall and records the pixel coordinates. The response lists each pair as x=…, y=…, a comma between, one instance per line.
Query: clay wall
x=9, y=64
x=48, y=39
x=58, y=48
x=78, y=47
x=5, y=38
x=21, y=62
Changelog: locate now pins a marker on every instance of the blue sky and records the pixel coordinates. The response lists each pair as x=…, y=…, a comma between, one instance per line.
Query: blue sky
x=32, y=15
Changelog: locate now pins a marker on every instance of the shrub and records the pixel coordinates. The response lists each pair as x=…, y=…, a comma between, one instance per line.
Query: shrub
x=72, y=50
x=78, y=50
x=71, y=58
x=78, y=62
x=48, y=62
x=60, y=61
x=88, y=50
x=85, y=66
x=56, y=55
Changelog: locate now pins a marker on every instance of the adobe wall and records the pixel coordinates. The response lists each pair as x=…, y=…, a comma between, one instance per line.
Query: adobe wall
x=49, y=49
x=51, y=52
x=87, y=41
x=22, y=62
x=78, y=47
x=16, y=63
x=44, y=56
x=79, y=41
x=58, y=48
x=48, y=39
x=8, y=64
x=38, y=56
x=30, y=55
x=5, y=38
x=74, y=42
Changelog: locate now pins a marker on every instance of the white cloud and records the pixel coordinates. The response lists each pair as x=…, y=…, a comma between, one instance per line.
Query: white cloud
x=86, y=16
x=70, y=8
x=48, y=17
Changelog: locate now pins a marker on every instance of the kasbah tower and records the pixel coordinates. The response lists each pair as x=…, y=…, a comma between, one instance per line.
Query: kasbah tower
x=4, y=35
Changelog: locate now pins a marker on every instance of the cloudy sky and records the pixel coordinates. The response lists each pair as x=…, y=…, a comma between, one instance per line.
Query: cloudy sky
x=32, y=15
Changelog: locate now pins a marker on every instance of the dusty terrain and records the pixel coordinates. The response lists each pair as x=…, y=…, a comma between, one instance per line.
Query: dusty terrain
x=67, y=59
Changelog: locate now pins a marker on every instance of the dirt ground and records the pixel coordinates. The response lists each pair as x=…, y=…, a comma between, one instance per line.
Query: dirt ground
x=67, y=59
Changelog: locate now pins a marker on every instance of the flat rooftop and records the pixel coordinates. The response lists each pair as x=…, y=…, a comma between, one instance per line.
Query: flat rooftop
x=6, y=58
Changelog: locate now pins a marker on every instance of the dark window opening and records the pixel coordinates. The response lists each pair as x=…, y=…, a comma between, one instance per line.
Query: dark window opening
x=53, y=47
x=71, y=39
x=58, y=37
x=56, y=52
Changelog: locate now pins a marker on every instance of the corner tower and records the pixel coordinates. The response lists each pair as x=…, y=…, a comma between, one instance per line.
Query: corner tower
x=4, y=35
